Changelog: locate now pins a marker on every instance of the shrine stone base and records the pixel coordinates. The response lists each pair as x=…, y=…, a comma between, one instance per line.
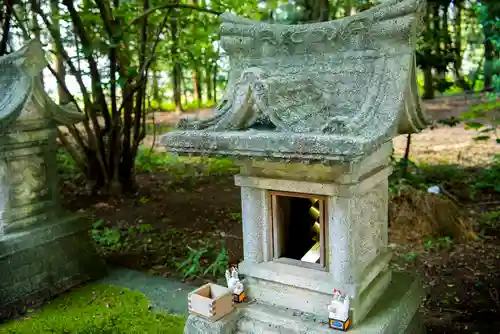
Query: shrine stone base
x=395, y=312
x=39, y=263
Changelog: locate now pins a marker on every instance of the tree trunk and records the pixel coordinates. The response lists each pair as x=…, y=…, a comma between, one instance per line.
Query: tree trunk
x=58, y=59
x=35, y=27
x=155, y=87
x=208, y=83
x=176, y=71
x=406, y=157
x=489, y=58
x=428, y=84
x=457, y=63
x=127, y=171
x=6, y=23
x=197, y=94
x=195, y=75
x=436, y=28
x=185, y=90
x=177, y=87
x=215, y=82
x=427, y=68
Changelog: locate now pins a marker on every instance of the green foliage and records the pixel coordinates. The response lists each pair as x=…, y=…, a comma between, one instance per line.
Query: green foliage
x=485, y=118
x=148, y=161
x=474, y=119
x=110, y=238
x=443, y=243
x=145, y=228
x=188, y=105
x=197, y=263
x=470, y=181
x=488, y=179
x=236, y=216
x=97, y=309
x=491, y=219
x=452, y=89
x=218, y=167
x=182, y=167
x=409, y=256
x=66, y=166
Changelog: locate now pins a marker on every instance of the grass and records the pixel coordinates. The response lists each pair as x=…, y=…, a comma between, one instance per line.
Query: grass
x=97, y=308
x=470, y=181
x=169, y=106
x=148, y=161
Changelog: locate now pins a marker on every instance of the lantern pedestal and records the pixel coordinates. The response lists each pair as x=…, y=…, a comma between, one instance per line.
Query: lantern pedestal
x=39, y=263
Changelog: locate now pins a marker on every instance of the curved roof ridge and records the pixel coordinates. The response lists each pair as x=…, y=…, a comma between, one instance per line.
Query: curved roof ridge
x=19, y=70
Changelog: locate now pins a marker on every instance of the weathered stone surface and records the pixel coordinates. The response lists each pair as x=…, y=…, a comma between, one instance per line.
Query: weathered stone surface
x=395, y=313
x=325, y=91
x=357, y=256
x=43, y=250
x=42, y=262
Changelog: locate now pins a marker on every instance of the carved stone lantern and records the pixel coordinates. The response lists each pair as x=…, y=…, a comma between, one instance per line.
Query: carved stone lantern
x=43, y=250
x=310, y=112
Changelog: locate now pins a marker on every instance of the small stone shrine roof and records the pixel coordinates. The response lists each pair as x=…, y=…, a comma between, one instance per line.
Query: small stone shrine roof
x=326, y=91
x=24, y=105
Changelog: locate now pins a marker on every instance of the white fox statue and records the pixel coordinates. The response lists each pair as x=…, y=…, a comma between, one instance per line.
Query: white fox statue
x=233, y=281
x=339, y=306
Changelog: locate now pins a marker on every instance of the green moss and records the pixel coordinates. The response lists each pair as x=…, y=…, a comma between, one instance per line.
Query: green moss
x=97, y=308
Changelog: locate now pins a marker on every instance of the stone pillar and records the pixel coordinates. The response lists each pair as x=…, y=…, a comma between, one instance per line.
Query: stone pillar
x=341, y=250
x=254, y=202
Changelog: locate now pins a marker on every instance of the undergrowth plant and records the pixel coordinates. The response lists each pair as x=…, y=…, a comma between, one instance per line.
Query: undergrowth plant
x=182, y=167
x=491, y=219
x=110, y=238
x=471, y=182
x=67, y=168
x=438, y=244
x=204, y=259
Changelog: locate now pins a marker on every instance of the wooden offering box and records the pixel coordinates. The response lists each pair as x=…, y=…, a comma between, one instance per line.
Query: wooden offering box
x=210, y=301
x=239, y=298
x=339, y=324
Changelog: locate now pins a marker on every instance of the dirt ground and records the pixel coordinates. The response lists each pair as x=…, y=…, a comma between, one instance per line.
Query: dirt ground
x=463, y=280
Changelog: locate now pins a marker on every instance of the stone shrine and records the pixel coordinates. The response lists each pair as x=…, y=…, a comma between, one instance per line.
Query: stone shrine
x=43, y=250
x=310, y=112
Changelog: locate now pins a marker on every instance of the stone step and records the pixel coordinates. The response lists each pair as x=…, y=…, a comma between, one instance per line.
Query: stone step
x=261, y=318
x=393, y=314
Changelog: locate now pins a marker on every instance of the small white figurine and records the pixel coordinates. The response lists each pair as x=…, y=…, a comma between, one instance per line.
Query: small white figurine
x=338, y=311
x=234, y=284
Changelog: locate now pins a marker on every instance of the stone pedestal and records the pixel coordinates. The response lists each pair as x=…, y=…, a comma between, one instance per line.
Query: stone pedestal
x=39, y=263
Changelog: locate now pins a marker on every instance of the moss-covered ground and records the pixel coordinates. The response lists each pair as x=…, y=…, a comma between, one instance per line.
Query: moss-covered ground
x=99, y=309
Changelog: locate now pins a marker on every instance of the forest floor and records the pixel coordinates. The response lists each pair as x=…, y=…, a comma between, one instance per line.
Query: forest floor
x=186, y=215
